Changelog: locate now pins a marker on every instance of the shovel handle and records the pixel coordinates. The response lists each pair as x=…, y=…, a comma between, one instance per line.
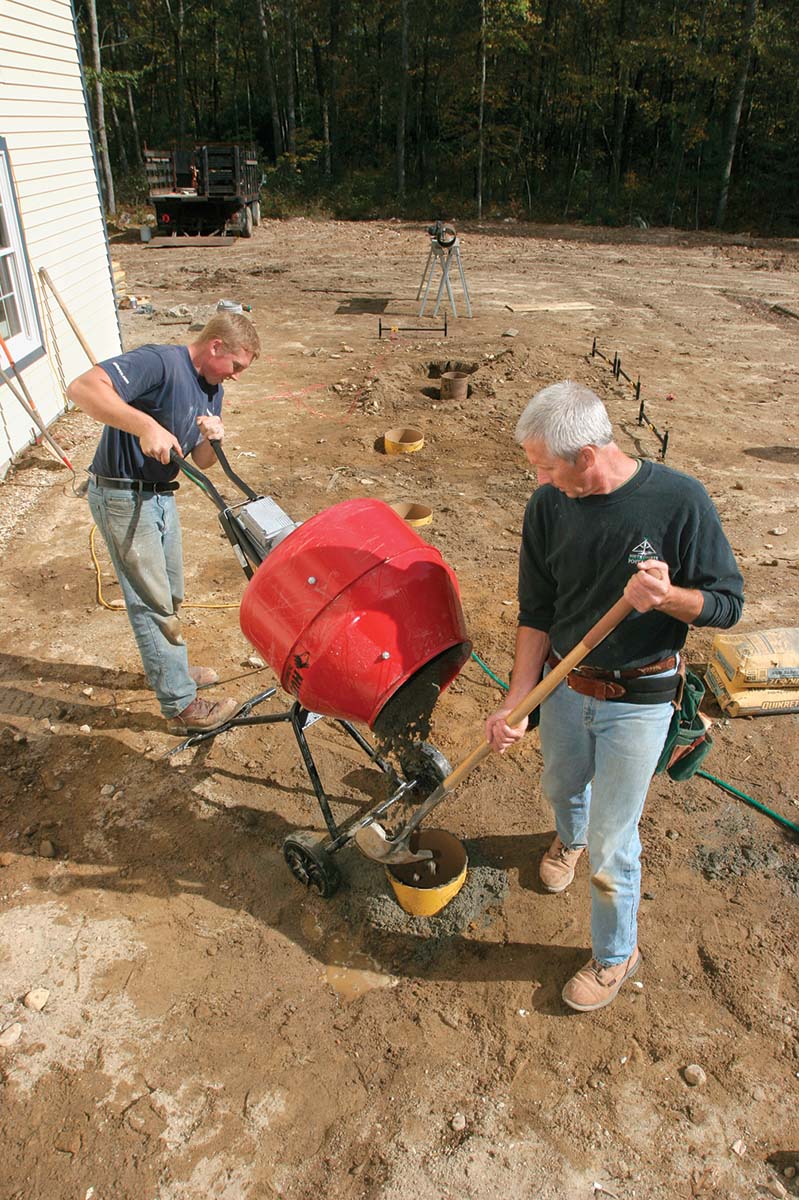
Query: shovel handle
x=539, y=693
x=33, y=413
x=597, y=633
x=44, y=275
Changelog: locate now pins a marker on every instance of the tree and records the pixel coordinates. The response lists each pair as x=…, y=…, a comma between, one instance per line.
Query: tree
x=481, y=109
x=734, y=107
x=599, y=110
x=271, y=85
x=402, y=103
x=99, y=98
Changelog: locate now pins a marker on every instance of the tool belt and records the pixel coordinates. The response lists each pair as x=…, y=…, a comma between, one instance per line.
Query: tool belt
x=633, y=685
x=133, y=485
x=688, y=740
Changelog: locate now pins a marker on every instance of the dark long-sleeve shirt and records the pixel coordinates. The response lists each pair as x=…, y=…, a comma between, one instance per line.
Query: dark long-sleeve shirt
x=577, y=555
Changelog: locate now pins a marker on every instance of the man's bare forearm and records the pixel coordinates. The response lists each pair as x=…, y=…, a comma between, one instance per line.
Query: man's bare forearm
x=684, y=604
x=203, y=455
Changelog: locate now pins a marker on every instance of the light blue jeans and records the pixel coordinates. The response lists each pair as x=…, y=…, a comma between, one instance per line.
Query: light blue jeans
x=142, y=533
x=599, y=758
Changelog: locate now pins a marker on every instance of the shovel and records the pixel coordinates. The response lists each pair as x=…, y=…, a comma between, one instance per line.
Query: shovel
x=373, y=840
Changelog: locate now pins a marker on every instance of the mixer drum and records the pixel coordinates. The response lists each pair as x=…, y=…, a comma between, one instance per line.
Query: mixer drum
x=350, y=606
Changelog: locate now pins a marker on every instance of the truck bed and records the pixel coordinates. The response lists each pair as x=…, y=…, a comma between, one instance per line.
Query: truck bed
x=208, y=190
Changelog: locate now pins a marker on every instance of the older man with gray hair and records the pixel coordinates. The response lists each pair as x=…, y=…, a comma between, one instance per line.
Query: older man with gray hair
x=601, y=524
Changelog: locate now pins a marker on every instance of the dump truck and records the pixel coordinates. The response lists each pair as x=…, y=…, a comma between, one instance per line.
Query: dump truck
x=210, y=190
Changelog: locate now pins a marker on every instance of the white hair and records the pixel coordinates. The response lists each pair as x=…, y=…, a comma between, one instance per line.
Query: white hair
x=566, y=417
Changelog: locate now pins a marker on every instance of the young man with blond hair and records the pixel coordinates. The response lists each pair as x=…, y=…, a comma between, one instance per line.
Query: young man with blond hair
x=153, y=400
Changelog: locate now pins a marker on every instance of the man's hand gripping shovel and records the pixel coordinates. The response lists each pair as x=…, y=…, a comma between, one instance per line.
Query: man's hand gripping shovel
x=374, y=842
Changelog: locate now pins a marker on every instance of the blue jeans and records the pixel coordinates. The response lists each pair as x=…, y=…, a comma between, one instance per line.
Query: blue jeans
x=599, y=758
x=142, y=533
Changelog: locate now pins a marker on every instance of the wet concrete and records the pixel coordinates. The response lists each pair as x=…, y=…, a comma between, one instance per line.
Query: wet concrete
x=448, y=861
x=745, y=858
x=404, y=721
x=366, y=899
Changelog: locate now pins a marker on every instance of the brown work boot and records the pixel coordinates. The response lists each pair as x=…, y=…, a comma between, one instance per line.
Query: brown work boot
x=203, y=715
x=595, y=985
x=203, y=676
x=556, y=869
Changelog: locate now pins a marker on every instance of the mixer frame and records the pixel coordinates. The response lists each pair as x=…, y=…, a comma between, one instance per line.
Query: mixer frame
x=308, y=856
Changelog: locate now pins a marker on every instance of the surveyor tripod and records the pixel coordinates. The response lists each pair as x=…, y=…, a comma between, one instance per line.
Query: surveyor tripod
x=444, y=251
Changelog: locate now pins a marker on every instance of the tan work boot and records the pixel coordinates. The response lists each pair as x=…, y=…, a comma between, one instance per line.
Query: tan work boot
x=203, y=676
x=202, y=715
x=596, y=985
x=556, y=869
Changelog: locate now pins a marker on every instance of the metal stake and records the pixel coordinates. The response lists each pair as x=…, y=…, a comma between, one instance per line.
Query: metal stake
x=381, y=328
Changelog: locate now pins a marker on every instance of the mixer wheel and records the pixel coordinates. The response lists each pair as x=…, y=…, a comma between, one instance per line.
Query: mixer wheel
x=310, y=864
x=426, y=765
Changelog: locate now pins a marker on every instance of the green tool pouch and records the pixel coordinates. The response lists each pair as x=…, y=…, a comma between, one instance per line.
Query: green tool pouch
x=688, y=739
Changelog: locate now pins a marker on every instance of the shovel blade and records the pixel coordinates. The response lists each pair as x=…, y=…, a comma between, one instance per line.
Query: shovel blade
x=373, y=842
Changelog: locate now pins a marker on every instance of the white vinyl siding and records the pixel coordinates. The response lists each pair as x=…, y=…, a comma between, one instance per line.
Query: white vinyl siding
x=45, y=134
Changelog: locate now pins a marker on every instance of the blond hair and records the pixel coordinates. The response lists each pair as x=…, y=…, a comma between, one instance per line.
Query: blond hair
x=234, y=331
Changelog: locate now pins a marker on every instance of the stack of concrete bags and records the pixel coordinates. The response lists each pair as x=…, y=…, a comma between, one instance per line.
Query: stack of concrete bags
x=751, y=673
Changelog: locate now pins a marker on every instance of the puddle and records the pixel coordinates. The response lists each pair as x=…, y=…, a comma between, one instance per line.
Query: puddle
x=348, y=969
x=351, y=973
x=311, y=926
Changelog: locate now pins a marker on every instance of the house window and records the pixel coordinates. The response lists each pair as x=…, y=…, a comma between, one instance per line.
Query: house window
x=19, y=325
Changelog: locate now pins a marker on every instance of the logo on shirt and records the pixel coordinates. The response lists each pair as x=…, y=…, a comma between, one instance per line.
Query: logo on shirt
x=642, y=552
x=117, y=367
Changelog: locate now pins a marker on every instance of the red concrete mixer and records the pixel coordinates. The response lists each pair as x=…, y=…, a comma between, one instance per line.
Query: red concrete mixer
x=361, y=621
x=350, y=607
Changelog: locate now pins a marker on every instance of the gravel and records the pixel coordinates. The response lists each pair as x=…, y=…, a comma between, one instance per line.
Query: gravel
x=35, y=471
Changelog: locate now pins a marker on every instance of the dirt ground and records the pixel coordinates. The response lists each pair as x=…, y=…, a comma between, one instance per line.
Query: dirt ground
x=213, y=1030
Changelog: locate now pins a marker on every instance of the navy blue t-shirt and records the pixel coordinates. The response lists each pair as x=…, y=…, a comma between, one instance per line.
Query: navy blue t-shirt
x=163, y=382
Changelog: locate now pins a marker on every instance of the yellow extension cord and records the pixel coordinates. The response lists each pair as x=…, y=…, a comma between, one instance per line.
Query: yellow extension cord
x=119, y=606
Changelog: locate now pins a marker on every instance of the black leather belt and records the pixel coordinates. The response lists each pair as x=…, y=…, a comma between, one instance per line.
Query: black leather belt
x=133, y=485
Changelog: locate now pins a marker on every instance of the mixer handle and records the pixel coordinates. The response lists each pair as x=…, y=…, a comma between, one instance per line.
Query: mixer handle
x=216, y=446
x=248, y=553
x=197, y=477
x=202, y=481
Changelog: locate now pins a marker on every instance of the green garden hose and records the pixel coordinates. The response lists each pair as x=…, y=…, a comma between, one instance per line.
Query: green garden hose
x=488, y=671
x=727, y=787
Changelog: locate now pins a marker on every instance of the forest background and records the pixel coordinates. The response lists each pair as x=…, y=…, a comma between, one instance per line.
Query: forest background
x=645, y=112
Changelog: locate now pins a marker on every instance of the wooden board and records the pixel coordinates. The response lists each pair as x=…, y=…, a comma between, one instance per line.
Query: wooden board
x=190, y=243
x=566, y=306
